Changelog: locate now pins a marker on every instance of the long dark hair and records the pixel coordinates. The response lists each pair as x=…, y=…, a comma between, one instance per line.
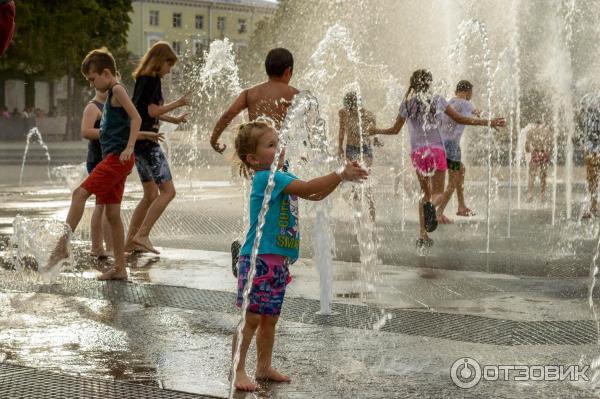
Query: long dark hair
x=420, y=82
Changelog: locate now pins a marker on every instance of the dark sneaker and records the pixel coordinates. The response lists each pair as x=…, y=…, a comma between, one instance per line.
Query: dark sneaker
x=424, y=243
x=235, y=255
x=431, y=222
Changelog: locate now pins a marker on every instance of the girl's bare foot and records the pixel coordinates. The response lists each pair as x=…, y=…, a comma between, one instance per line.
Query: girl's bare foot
x=113, y=274
x=271, y=374
x=145, y=243
x=442, y=219
x=244, y=383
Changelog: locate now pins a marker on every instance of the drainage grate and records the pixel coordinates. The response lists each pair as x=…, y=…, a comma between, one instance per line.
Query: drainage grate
x=28, y=383
x=458, y=327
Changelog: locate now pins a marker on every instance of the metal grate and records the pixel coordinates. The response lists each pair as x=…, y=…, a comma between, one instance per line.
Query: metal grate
x=458, y=327
x=29, y=383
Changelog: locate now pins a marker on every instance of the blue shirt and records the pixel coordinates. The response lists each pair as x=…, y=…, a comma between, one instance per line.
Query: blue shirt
x=280, y=234
x=114, y=128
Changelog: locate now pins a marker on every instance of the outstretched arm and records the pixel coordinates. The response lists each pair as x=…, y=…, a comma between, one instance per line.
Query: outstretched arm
x=156, y=111
x=238, y=105
x=90, y=116
x=465, y=120
x=320, y=187
x=390, y=131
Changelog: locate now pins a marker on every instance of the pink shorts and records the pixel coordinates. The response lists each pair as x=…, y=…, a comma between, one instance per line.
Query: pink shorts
x=429, y=159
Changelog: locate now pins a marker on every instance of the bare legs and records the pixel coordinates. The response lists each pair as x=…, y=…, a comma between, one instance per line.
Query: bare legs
x=433, y=191
x=456, y=181
x=80, y=195
x=541, y=170
x=118, y=272
x=155, y=201
x=592, y=164
x=264, y=326
x=99, y=230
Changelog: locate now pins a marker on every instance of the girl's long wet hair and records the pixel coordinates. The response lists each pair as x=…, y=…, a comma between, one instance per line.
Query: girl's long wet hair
x=420, y=83
x=246, y=141
x=154, y=59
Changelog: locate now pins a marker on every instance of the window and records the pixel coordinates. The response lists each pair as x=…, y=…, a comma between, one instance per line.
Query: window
x=154, y=18
x=221, y=23
x=176, y=20
x=177, y=47
x=242, y=26
x=199, y=21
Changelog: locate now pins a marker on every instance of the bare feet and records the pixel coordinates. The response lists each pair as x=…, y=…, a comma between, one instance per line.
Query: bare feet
x=244, y=383
x=272, y=375
x=464, y=212
x=145, y=243
x=442, y=219
x=113, y=274
x=58, y=255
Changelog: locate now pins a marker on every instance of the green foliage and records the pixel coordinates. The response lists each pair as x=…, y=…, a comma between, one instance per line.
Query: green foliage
x=53, y=36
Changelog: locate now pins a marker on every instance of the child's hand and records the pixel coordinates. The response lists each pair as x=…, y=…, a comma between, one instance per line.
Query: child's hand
x=183, y=100
x=498, y=122
x=182, y=118
x=126, y=154
x=218, y=147
x=354, y=172
x=156, y=137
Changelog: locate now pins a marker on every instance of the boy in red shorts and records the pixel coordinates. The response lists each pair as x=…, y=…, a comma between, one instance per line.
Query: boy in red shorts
x=119, y=129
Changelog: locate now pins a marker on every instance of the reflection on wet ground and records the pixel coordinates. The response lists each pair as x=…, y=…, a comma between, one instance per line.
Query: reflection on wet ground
x=187, y=349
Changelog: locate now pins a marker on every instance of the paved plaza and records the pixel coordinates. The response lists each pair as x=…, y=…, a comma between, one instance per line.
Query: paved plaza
x=395, y=331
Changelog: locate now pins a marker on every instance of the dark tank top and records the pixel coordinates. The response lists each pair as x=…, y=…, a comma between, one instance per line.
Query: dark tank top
x=94, y=154
x=114, y=128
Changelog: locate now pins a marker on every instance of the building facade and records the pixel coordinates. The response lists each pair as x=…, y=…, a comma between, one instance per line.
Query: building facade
x=193, y=24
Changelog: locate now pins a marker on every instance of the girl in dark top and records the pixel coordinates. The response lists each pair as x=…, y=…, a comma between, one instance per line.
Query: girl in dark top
x=150, y=160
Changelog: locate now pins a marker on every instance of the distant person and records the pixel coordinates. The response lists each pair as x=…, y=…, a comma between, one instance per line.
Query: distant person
x=588, y=118
x=269, y=99
x=4, y=112
x=355, y=127
x=7, y=24
x=15, y=113
x=538, y=143
x=452, y=134
x=424, y=111
x=255, y=146
x=119, y=129
x=150, y=160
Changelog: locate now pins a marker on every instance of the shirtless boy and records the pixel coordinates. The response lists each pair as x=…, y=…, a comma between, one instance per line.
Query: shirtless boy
x=269, y=99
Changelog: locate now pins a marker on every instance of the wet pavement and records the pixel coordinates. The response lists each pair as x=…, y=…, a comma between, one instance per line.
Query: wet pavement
x=398, y=334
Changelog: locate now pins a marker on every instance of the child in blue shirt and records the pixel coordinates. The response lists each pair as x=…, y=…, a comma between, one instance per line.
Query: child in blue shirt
x=255, y=145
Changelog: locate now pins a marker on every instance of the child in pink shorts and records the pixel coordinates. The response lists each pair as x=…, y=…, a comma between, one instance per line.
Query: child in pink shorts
x=255, y=146
x=423, y=111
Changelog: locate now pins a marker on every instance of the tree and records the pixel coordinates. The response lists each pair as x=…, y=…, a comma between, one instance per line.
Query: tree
x=53, y=36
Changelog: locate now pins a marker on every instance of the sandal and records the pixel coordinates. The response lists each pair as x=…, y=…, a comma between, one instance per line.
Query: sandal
x=431, y=222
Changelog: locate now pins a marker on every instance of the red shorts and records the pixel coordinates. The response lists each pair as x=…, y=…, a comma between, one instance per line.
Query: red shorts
x=429, y=159
x=107, y=180
x=7, y=25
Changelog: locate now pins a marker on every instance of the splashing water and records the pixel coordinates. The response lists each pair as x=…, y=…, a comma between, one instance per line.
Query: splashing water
x=33, y=242
x=34, y=133
x=71, y=175
x=478, y=29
